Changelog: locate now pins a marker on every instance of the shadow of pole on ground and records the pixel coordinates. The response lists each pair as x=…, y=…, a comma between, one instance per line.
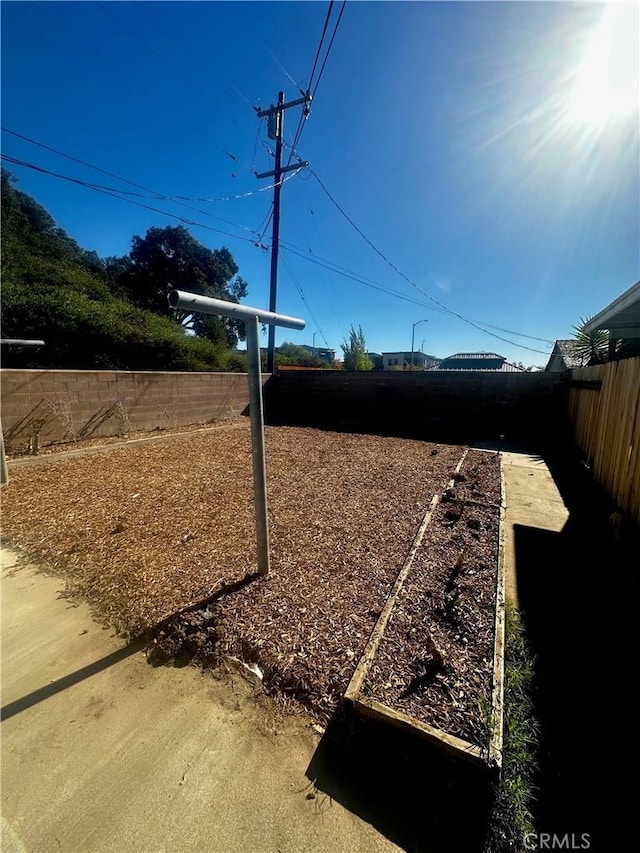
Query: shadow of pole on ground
x=60, y=684
x=416, y=797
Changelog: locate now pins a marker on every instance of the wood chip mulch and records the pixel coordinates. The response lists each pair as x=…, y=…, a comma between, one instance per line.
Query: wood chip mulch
x=435, y=660
x=143, y=531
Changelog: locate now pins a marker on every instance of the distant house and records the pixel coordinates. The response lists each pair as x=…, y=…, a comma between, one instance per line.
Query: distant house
x=622, y=320
x=564, y=356
x=323, y=353
x=406, y=360
x=479, y=361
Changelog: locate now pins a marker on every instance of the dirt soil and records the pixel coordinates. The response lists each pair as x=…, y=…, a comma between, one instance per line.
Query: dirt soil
x=435, y=661
x=145, y=530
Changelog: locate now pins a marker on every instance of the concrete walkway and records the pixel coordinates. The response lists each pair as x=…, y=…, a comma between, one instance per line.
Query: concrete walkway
x=102, y=752
x=532, y=500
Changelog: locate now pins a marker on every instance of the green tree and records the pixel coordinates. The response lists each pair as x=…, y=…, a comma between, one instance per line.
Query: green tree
x=294, y=354
x=73, y=300
x=591, y=347
x=28, y=230
x=355, y=351
x=168, y=258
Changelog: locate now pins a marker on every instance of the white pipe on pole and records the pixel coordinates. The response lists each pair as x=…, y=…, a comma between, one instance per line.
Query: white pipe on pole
x=252, y=317
x=207, y=305
x=18, y=342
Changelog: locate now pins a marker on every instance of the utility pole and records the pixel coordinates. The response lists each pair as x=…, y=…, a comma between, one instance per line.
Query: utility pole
x=275, y=116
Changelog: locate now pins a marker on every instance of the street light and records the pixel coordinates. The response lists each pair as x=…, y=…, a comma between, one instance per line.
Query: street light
x=413, y=331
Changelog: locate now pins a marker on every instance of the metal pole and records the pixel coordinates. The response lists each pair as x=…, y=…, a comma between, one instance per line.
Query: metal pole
x=252, y=317
x=4, y=471
x=413, y=331
x=257, y=444
x=275, y=235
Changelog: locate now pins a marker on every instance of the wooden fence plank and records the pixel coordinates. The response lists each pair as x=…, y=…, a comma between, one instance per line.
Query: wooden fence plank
x=606, y=426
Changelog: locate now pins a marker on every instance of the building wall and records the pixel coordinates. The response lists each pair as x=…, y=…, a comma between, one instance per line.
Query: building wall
x=452, y=406
x=55, y=404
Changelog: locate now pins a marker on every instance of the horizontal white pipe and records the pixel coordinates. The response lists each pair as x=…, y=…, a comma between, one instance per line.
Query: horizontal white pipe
x=18, y=342
x=207, y=305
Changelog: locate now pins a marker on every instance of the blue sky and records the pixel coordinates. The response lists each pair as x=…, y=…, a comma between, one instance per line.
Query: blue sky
x=489, y=151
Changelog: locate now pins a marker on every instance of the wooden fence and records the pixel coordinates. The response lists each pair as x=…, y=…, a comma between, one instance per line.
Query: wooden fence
x=604, y=410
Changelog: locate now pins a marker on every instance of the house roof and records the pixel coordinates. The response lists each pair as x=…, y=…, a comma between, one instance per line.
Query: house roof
x=408, y=354
x=485, y=361
x=564, y=356
x=476, y=355
x=621, y=317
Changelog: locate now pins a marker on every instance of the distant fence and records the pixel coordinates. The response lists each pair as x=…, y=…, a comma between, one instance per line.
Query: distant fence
x=604, y=410
x=446, y=405
x=53, y=405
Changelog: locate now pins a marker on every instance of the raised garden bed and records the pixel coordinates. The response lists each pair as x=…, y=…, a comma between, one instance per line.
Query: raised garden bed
x=433, y=663
x=146, y=530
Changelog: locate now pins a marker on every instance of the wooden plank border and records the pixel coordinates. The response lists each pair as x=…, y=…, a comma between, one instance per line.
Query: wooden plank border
x=367, y=706
x=497, y=694
x=375, y=637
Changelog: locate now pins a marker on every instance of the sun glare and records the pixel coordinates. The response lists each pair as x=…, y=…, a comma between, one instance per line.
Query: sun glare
x=606, y=82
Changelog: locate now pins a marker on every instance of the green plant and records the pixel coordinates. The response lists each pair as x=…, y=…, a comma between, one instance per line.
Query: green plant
x=511, y=817
x=590, y=347
x=355, y=351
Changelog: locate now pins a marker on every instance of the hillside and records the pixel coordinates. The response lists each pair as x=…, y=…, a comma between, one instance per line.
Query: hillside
x=96, y=313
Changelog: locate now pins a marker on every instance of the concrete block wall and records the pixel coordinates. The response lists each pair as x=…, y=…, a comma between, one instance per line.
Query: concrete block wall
x=89, y=403
x=446, y=405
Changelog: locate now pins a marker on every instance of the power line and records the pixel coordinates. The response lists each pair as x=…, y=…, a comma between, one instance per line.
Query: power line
x=359, y=279
x=194, y=59
x=114, y=191
x=103, y=8
x=104, y=191
x=283, y=69
x=178, y=199
x=304, y=299
x=413, y=283
x=326, y=56
x=267, y=221
x=324, y=32
x=75, y=159
x=260, y=231
x=304, y=113
x=148, y=92
x=329, y=265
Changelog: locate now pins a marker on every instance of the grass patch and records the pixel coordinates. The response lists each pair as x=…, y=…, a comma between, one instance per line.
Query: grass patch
x=511, y=818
